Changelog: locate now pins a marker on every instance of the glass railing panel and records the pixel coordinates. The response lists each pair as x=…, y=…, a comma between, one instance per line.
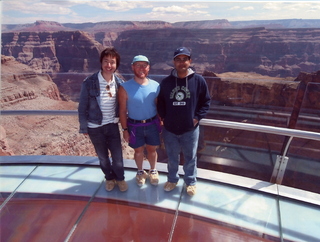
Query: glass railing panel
x=230, y=150
x=45, y=135
x=256, y=101
x=309, y=112
x=303, y=165
x=239, y=152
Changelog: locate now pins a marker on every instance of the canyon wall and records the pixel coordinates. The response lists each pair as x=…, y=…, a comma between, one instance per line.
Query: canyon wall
x=283, y=53
x=272, y=52
x=53, y=52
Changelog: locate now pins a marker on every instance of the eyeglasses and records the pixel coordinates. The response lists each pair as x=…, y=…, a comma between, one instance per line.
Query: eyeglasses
x=108, y=90
x=181, y=59
x=141, y=65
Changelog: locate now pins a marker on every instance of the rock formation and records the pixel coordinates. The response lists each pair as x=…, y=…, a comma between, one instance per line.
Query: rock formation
x=285, y=52
x=53, y=52
x=251, y=90
x=20, y=82
x=272, y=52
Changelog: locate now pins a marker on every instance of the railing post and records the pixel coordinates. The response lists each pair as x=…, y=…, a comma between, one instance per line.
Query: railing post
x=281, y=163
x=279, y=169
x=282, y=160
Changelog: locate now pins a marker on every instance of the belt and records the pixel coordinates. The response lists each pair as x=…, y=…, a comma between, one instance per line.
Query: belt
x=133, y=121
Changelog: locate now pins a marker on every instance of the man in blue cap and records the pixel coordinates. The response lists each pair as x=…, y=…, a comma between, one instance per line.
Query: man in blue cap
x=183, y=101
x=138, y=118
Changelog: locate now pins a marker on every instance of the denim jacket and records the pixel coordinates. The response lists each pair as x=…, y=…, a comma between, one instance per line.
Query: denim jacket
x=89, y=103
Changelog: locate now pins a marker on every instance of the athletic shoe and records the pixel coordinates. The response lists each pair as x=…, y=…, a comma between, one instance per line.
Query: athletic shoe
x=169, y=186
x=110, y=185
x=191, y=190
x=141, y=178
x=154, y=177
x=123, y=186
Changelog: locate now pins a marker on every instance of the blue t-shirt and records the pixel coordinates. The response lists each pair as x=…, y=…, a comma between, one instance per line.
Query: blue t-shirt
x=141, y=99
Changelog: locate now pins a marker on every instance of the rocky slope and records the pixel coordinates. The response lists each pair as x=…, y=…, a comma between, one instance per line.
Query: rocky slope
x=24, y=89
x=20, y=83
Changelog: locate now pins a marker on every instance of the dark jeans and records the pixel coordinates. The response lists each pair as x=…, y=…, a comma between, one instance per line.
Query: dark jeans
x=105, y=139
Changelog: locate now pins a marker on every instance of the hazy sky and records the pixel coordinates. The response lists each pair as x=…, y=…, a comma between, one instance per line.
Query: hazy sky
x=80, y=11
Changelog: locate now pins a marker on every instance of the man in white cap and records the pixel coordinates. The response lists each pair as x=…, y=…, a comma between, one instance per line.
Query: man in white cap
x=183, y=101
x=138, y=118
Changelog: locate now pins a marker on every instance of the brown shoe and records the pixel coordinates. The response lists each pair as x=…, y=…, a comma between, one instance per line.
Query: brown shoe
x=123, y=186
x=154, y=177
x=191, y=190
x=141, y=178
x=169, y=186
x=110, y=185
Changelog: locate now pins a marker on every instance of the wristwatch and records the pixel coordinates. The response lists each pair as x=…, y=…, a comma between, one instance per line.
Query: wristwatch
x=124, y=129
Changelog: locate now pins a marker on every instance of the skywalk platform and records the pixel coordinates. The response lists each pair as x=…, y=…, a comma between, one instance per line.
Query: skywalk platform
x=63, y=198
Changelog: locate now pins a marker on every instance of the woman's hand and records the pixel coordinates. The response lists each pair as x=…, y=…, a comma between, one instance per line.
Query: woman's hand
x=126, y=136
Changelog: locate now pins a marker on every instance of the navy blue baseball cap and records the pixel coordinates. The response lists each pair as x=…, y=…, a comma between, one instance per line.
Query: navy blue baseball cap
x=182, y=51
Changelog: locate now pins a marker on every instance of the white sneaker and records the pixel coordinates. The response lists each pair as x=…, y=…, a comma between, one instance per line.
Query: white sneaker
x=141, y=178
x=154, y=177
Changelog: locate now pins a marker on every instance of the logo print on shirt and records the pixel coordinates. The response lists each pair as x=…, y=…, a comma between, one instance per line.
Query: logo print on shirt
x=179, y=96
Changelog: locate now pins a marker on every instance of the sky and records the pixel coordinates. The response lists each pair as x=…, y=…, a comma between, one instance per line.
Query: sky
x=82, y=11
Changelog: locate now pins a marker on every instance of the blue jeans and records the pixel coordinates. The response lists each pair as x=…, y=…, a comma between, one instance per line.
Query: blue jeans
x=188, y=144
x=105, y=139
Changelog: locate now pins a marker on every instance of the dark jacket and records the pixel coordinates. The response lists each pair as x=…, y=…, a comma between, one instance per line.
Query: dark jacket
x=182, y=100
x=89, y=103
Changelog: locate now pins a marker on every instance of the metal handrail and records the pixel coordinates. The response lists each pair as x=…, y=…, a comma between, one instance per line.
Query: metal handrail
x=206, y=122
x=261, y=128
x=282, y=160
x=38, y=112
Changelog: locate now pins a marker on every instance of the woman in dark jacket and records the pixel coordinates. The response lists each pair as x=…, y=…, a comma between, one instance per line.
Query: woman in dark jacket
x=99, y=116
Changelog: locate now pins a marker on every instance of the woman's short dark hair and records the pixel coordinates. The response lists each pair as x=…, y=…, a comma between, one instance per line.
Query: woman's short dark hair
x=110, y=51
